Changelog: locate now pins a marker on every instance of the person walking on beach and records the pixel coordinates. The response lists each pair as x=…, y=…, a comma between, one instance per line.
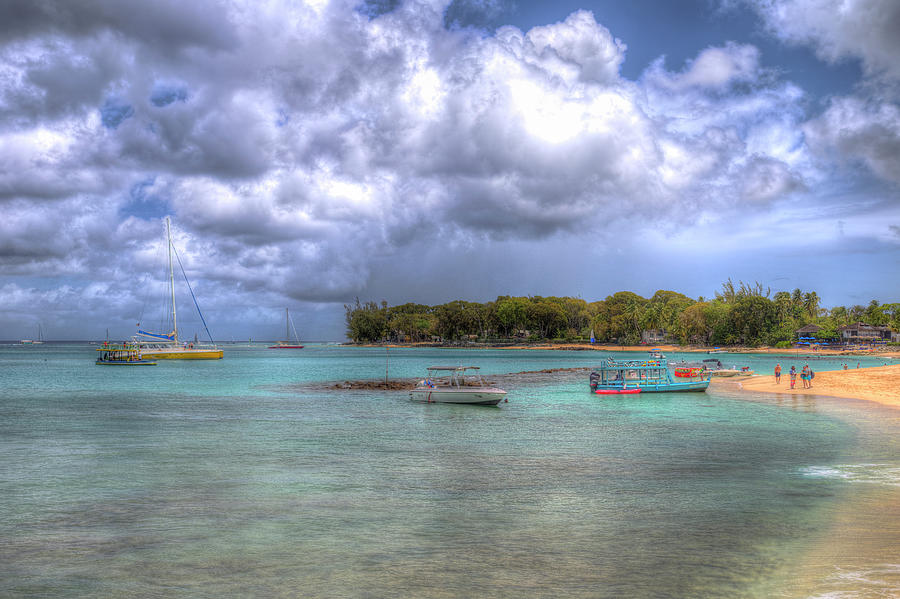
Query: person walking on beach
x=793, y=375
x=777, y=373
x=804, y=376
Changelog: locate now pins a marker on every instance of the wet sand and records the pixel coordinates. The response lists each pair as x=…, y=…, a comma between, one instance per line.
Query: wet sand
x=880, y=384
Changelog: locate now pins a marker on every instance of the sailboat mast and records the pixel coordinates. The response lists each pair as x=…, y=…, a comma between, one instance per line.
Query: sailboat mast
x=287, y=330
x=172, y=279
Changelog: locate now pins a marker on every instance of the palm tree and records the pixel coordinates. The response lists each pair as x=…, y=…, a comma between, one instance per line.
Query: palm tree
x=634, y=313
x=782, y=301
x=797, y=303
x=811, y=303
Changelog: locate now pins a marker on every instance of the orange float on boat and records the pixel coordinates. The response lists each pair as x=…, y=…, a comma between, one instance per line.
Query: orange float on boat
x=685, y=372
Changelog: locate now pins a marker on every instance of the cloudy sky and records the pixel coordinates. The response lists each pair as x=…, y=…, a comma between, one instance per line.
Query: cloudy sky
x=311, y=153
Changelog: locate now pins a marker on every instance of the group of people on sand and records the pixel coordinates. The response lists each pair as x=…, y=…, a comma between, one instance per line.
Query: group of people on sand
x=806, y=376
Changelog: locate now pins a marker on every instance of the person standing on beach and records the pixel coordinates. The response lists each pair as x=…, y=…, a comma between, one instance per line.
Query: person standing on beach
x=804, y=376
x=793, y=375
x=777, y=373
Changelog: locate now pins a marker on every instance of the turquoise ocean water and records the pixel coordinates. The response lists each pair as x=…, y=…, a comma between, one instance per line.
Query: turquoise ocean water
x=250, y=477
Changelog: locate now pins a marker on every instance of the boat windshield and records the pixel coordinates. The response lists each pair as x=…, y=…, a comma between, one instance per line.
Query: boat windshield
x=455, y=376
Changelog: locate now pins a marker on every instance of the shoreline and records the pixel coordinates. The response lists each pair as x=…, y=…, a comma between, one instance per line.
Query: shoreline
x=879, y=384
x=787, y=351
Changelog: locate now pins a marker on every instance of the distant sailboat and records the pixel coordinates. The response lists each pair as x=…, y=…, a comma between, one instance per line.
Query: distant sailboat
x=288, y=327
x=39, y=340
x=167, y=346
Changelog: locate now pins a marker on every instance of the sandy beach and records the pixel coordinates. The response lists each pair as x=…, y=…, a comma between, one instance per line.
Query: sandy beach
x=880, y=384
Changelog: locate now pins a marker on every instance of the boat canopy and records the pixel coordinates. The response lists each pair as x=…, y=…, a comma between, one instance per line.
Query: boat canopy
x=169, y=337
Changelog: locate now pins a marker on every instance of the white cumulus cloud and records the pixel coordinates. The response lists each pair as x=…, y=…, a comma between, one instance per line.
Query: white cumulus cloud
x=297, y=146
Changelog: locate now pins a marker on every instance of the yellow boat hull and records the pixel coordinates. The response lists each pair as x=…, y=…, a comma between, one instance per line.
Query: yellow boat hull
x=183, y=354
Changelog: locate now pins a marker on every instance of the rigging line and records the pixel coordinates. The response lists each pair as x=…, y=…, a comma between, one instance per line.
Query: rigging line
x=193, y=297
x=293, y=328
x=148, y=287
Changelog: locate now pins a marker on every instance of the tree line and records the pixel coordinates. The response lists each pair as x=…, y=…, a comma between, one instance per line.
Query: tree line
x=742, y=314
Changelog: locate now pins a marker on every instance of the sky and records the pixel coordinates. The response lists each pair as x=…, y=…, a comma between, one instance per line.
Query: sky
x=309, y=154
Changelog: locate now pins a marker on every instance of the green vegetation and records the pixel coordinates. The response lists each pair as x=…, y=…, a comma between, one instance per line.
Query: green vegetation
x=739, y=315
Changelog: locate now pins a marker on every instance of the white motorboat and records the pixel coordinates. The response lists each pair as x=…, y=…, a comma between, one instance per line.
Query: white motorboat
x=454, y=384
x=734, y=371
x=715, y=368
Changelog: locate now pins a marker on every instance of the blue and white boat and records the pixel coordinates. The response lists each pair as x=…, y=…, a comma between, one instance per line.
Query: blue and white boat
x=121, y=354
x=650, y=376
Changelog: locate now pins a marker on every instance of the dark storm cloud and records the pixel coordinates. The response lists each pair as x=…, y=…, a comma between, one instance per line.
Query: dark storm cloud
x=166, y=24
x=231, y=138
x=49, y=79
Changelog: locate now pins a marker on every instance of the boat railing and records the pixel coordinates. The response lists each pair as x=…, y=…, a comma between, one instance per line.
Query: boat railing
x=620, y=373
x=125, y=346
x=119, y=352
x=145, y=343
x=612, y=364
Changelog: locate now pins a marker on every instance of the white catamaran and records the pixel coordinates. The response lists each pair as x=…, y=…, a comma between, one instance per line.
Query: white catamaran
x=168, y=346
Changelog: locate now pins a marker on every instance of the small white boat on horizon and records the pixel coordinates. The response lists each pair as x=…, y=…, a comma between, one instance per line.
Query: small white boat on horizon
x=452, y=384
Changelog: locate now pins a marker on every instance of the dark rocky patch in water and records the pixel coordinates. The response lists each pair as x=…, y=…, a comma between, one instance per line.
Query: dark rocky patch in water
x=494, y=380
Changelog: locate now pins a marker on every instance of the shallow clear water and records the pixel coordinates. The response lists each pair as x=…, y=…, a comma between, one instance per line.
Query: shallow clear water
x=247, y=476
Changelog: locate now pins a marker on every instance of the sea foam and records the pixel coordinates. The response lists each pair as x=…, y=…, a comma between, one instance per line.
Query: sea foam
x=882, y=474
